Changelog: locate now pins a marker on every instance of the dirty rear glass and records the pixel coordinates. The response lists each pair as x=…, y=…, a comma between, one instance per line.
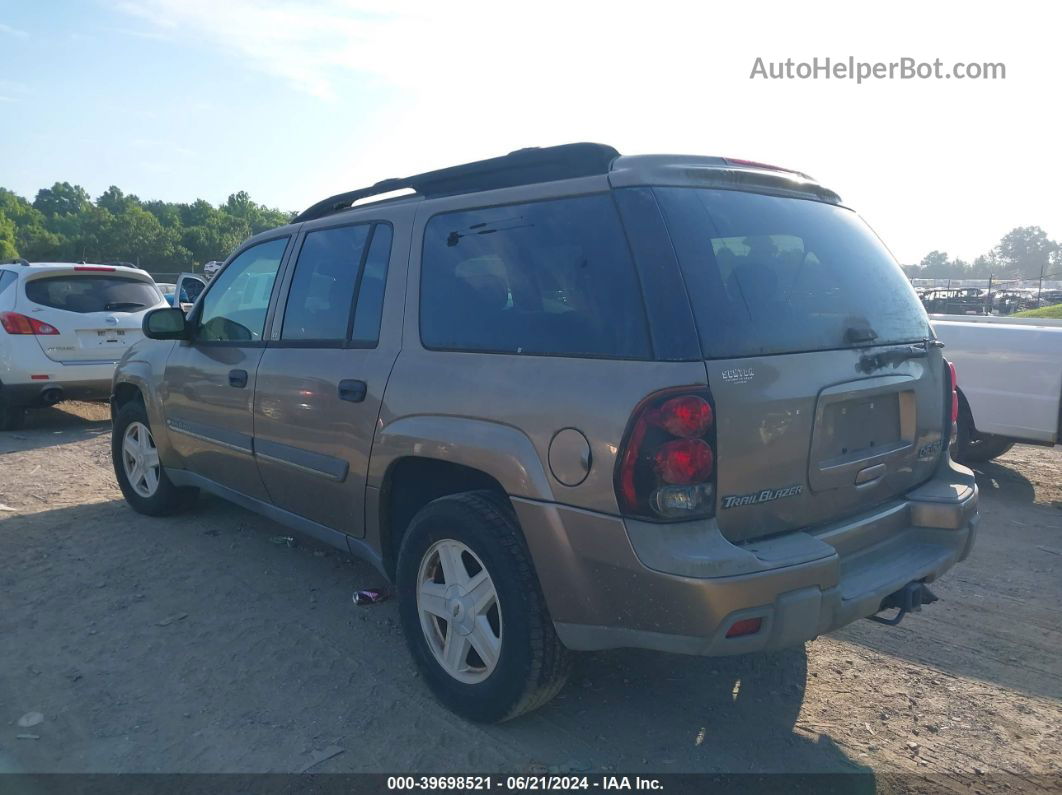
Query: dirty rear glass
x=85, y=294
x=771, y=275
x=549, y=277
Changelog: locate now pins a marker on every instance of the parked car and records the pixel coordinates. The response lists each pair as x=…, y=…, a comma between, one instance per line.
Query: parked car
x=1011, y=385
x=188, y=289
x=64, y=328
x=568, y=400
x=168, y=290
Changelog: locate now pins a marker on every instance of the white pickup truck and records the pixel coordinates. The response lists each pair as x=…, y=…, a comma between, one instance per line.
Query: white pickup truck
x=1010, y=381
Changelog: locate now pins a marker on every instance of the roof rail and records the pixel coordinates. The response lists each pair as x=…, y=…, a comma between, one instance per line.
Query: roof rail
x=522, y=167
x=18, y=261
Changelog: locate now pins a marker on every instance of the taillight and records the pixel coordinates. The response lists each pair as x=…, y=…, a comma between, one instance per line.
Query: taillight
x=666, y=467
x=953, y=377
x=684, y=461
x=14, y=323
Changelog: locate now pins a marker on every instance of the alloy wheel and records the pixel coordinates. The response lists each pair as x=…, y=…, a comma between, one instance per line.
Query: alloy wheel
x=459, y=611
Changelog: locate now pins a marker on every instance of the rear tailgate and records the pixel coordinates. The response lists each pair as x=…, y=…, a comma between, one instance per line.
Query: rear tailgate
x=829, y=397
x=798, y=446
x=98, y=314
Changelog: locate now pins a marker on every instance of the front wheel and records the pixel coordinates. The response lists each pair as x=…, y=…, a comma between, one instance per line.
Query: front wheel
x=472, y=610
x=140, y=474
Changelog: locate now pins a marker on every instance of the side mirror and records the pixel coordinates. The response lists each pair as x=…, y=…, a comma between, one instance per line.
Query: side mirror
x=166, y=324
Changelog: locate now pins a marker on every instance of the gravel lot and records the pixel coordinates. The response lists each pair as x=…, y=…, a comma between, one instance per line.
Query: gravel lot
x=197, y=644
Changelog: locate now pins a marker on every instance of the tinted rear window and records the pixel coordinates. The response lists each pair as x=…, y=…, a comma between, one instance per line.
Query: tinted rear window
x=95, y=293
x=777, y=275
x=552, y=277
x=322, y=290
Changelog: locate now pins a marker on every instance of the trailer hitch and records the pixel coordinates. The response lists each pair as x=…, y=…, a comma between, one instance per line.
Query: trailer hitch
x=908, y=599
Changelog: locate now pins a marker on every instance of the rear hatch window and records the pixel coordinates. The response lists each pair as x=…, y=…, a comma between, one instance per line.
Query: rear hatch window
x=96, y=315
x=769, y=275
x=796, y=302
x=96, y=293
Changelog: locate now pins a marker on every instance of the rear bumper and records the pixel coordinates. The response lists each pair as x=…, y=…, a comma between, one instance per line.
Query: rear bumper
x=32, y=395
x=613, y=583
x=76, y=380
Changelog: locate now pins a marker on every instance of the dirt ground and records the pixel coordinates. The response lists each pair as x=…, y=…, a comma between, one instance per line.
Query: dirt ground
x=198, y=644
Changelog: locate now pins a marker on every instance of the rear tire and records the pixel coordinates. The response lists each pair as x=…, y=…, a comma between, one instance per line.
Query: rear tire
x=11, y=417
x=474, y=539
x=140, y=475
x=976, y=448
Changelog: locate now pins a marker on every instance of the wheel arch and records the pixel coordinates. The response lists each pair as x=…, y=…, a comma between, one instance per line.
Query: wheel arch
x=418, y=459
x=133, y=381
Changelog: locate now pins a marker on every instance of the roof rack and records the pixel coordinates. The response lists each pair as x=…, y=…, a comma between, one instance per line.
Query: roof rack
x=522, y=167
x=18, y=261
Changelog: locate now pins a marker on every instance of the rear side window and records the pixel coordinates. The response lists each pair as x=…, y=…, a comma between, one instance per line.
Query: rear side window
x=772, y=275
x=7, y=278
x=92, y=293
x=322, y=289
x=552, y=277
x=333, y=273
x=369, y=311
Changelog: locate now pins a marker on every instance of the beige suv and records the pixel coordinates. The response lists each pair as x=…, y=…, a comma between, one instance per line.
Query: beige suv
x=568, y=400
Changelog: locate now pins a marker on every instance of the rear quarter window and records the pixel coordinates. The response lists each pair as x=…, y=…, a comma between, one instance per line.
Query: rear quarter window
x=92, y=293
x=552, y=277
x=7, y=278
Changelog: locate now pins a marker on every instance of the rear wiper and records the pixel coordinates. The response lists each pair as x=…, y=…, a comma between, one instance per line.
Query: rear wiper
x=869, y=362
x=123, y=305
x=853, y=335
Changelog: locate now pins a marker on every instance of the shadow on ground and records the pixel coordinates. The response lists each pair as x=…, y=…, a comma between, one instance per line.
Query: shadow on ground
x=48, y=427
x=996, y=479
x=196, y=643
x=997, y=617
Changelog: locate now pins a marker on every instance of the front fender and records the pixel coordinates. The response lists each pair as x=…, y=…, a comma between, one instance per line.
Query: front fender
x=143, y=368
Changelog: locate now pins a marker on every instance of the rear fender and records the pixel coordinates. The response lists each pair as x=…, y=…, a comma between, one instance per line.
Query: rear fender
x=500, y=451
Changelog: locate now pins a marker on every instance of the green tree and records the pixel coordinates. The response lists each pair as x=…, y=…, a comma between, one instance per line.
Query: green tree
x=169, y=214
x=8, y=251
x=1025, y=252
x=114, y=201
x=61, y=199
x=935, y=265
x=216, y=238
x=64, y=224
x=32, y=239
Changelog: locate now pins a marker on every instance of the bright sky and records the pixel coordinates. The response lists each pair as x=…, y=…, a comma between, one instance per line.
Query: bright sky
x=179, y=99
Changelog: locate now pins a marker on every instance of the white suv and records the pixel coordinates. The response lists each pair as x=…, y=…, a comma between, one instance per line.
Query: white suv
x=63, y=328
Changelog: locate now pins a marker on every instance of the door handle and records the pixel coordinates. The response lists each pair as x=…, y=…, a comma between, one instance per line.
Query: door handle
x=351, y=390
x=238, y=378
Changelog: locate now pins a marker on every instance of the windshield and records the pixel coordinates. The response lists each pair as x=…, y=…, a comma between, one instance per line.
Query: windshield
x=771, y=275
x=77, y=293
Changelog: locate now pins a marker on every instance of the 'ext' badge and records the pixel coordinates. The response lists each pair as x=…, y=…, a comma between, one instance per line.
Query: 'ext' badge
x=738, y=375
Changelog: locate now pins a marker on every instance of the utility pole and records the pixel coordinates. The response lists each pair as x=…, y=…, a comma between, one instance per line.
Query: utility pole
x=1040, y=290
x=988, y=300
